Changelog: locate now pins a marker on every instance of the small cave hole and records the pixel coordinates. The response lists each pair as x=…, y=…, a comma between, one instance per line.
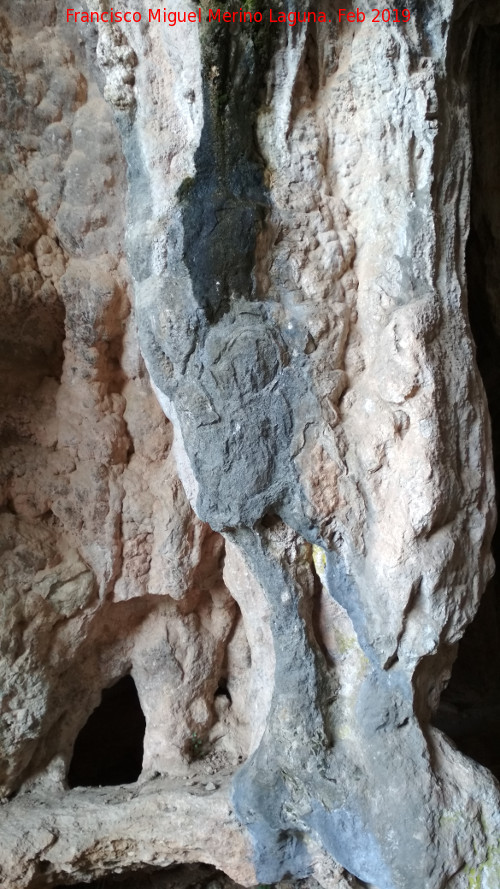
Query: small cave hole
x=270, y=521
x=222, y=690
x=110, y=746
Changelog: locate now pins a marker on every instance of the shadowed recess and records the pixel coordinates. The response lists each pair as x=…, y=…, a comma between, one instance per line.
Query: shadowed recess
x=469, y=710
x=110, y=746
x=183, y=876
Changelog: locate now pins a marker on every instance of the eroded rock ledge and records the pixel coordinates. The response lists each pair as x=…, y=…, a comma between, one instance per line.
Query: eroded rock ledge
x=264, y=234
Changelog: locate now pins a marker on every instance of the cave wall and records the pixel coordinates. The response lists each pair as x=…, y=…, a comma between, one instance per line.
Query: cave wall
x=246, y=454
x=469, y=709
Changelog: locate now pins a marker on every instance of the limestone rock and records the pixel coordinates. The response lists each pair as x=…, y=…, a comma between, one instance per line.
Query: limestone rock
x=246, y=453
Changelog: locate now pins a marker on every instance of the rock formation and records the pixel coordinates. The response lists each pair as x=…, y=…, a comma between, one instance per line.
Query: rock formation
x=246, y=455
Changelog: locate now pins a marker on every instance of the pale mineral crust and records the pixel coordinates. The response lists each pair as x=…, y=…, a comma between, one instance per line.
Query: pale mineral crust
x=246, y=452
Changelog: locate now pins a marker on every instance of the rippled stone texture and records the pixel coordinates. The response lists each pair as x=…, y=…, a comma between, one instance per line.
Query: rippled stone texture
x=286, y=564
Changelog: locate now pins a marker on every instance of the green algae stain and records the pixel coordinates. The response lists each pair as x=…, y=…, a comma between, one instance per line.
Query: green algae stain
x=487, y=874
x=319, y=559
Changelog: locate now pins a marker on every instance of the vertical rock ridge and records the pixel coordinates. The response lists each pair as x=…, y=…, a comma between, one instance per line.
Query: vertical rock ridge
x=293, y=258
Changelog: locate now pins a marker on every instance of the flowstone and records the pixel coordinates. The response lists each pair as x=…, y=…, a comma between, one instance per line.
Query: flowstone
x=285, y=562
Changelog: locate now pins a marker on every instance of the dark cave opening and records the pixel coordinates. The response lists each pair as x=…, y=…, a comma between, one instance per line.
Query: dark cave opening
x=110, y=746
x=469, y=710
x=177, y=876
x=222, y=689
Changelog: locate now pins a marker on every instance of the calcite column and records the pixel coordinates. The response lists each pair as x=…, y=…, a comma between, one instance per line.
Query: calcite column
x=297, y=215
